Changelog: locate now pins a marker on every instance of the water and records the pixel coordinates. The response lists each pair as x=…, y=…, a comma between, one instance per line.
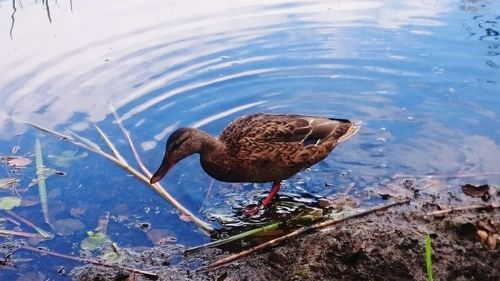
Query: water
x=422, y=77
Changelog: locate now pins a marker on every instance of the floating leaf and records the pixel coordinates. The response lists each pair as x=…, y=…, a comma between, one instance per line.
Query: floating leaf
x=160, y=237
x=67, y=226
x=482, y=191
x=8, y=182
x=77, y=212
x=9, y=202
x=94, y=241
x=17, y=161
x=65, y=159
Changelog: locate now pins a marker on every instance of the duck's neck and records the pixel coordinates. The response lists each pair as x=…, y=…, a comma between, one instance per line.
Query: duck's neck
x=209, y=148
x=214, y=157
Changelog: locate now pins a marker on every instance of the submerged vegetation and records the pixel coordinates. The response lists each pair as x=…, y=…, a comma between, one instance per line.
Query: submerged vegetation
x=320, y=217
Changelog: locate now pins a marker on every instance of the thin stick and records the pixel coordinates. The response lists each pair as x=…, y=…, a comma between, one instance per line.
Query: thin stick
x=19, y=233
x=205, y=227
x=83, y=140
x=225, y=261
x=13, y=19
x=209, y=192
x=12, y=221
x=465, y=175
x=130, y=143
x=110, y=145
x=42, y=232
x=464, y=208
x=91, y=261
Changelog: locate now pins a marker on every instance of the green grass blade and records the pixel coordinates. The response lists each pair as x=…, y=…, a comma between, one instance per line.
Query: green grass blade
x=246, y=234
x=40, y=173
x=428, y=256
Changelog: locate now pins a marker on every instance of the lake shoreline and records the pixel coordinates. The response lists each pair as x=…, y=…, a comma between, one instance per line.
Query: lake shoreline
x=385, y=245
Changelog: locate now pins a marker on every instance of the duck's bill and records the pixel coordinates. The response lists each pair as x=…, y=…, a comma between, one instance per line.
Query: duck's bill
x=355, y=126
x=165, y=166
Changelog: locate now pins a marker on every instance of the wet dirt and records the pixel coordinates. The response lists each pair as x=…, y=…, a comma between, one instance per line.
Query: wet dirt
x=384, y=245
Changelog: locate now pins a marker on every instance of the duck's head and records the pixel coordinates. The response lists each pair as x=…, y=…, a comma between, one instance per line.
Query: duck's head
x=181, y=143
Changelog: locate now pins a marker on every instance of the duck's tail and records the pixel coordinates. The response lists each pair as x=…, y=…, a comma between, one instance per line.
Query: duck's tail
x=353, y=129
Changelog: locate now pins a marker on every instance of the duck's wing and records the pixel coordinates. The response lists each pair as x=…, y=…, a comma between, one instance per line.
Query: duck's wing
x=286, y=130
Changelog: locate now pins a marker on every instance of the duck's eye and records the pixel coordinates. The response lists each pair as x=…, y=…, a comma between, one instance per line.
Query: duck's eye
x=178, y=143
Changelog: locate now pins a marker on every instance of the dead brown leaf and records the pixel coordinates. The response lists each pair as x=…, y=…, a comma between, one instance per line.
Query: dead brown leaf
x=338, y=203
x=487, y=226
x=492, y=241
x=17, y=161
x=477, y=191
x=160, y=236
x=394, y=190
x=77, y=212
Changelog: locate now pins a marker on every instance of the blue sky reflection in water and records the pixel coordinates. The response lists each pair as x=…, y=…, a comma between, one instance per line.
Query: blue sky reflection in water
x=422, y=76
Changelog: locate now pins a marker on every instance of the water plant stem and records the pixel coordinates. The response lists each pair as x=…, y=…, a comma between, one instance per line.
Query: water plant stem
x=246, y=234
x=40, y=174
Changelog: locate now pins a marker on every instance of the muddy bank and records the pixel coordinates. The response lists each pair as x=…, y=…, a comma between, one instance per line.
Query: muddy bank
x=386, y=245
x=379, y=247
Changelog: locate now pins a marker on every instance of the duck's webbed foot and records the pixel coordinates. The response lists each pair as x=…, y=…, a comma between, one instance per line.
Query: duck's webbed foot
x=252, y=210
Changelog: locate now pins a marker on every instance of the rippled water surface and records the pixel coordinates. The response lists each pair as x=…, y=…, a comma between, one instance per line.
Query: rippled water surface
x=422, y=76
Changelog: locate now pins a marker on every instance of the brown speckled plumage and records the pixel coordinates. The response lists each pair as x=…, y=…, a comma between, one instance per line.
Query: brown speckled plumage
x=259, y=147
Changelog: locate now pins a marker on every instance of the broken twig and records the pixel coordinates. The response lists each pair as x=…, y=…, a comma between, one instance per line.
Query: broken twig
x=19, y=233
x=44, y=233
x=464, y=208
x=91, y=261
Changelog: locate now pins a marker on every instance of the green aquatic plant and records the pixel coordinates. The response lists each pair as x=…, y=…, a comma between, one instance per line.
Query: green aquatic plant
x=428, y=257
x=9, y=202
x=40, y=175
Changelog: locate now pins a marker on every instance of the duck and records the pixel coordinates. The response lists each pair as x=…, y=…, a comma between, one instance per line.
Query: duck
x=258, y=148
